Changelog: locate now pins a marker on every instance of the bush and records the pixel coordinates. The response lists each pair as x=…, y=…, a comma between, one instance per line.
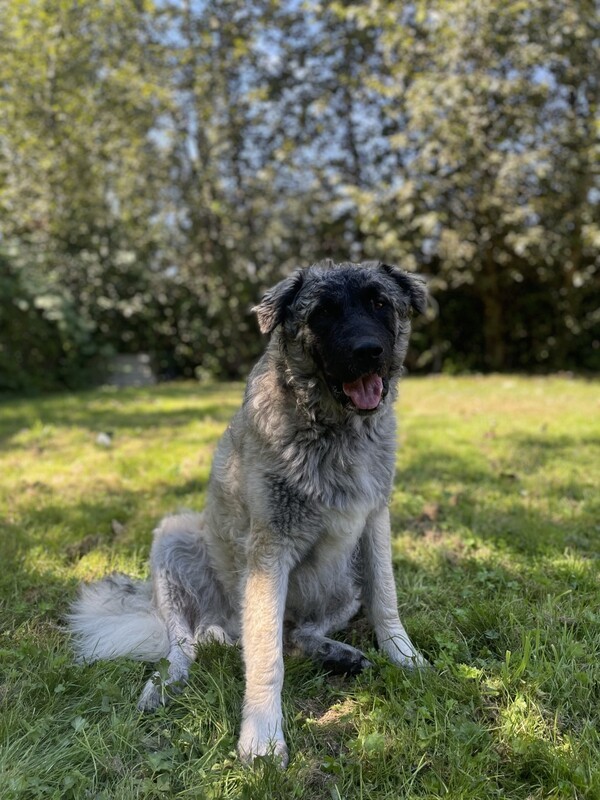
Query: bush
x=44, y=343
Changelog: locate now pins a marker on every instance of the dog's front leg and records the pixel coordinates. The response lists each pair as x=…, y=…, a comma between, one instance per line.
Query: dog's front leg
x=379, y=592
x=262, y=642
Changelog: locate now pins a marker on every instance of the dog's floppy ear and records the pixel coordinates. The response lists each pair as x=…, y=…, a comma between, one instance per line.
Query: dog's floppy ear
x=272, y=308
x=415, y=286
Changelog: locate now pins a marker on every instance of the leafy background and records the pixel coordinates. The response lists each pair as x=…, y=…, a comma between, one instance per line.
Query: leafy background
x=162, y=163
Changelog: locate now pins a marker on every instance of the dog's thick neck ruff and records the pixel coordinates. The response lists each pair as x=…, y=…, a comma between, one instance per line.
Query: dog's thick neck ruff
x=321, y=444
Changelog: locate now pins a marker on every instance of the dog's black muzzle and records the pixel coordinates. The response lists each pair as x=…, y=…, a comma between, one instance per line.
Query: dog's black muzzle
x=357, y=374
x=366, y=356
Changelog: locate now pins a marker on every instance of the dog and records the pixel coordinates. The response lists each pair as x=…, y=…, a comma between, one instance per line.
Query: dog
x=295, y=535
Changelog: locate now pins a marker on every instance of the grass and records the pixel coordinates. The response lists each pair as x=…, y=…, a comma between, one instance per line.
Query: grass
x=496, y=520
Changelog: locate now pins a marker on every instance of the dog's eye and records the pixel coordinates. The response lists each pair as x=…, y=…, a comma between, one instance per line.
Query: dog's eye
x=327, y=309
x=374, y=299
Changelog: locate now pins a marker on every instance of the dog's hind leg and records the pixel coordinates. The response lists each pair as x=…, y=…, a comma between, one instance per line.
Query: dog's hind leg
x=212, y=633
x=181, y=655
x=187, y=596
x=182, y=649
x=336, y=657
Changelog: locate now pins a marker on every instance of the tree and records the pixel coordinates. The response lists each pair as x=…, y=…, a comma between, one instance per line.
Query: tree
x=79, y=166
x=495, y=119
x=163, y=163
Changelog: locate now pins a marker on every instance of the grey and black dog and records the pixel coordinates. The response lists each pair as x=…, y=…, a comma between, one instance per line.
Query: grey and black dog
x=295, y=535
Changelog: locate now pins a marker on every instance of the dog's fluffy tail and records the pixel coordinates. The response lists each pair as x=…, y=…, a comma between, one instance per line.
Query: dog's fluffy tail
x=116, y=617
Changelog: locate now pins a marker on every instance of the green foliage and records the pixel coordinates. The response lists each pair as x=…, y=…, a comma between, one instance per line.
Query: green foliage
x=44, y=342
x=161, y=163
x=495, y=521
x=496, y=117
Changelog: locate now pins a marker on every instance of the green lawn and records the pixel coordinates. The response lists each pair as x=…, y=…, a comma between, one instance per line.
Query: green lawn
x=496, y=521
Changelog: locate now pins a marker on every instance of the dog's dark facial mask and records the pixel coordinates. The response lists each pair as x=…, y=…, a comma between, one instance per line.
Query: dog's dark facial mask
x=354, y=322
x=352, y=333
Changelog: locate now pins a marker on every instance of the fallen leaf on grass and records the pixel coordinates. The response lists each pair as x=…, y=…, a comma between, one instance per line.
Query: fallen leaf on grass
x=117, y=527
x=84, y=546
x=430, y=511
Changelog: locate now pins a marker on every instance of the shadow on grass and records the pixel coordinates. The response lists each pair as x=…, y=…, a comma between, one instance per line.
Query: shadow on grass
x=492, y=503
x=546, y=448
x=107, y=409
x=31, y=595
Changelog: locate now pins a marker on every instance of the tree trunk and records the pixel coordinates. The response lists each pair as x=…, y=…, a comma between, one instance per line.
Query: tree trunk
x=493, y=324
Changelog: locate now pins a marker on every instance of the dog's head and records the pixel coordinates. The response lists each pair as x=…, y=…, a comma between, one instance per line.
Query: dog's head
x=348, y=324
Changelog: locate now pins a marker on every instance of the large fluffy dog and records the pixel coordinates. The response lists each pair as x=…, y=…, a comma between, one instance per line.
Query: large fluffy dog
x=296, y=532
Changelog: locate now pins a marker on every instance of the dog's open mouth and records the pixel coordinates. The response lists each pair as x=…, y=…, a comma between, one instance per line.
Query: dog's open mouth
x=365, y=392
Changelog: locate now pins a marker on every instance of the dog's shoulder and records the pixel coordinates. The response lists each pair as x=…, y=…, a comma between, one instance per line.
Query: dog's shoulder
x=269, y=413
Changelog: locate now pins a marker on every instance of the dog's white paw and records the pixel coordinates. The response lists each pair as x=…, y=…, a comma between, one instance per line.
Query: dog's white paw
x=152, y=696
x=417, y=661
x=213, y=633
x=401, y=651
x=262, y=738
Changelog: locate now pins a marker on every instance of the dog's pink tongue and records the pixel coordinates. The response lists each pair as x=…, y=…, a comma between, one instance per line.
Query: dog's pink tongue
x=366, y=392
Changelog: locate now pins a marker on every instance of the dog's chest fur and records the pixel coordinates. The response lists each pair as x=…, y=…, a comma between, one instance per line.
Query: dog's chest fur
x=337, y=461
x=313, y=485
x=306, y=478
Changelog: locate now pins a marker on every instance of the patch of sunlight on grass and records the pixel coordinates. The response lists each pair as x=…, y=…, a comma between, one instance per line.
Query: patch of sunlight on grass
x=522, y=718
x=98, y=563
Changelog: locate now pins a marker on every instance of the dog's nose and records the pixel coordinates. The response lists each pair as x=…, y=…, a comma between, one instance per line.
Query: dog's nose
x=367, y=350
